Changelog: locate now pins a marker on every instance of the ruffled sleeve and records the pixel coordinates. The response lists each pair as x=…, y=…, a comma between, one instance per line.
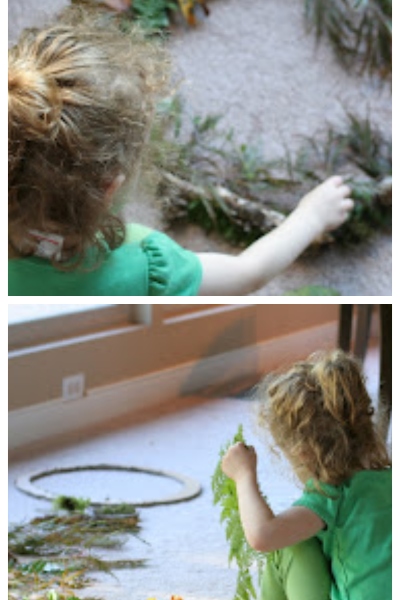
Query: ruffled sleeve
x=172, y=270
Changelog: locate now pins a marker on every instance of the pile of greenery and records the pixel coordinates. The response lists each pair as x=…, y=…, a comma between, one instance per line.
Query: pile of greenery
x=199, y=151
x=154, y=14
x=363, y=152
x=51, y=557
x=360, y=32
x=224, y=490
x=159, y=14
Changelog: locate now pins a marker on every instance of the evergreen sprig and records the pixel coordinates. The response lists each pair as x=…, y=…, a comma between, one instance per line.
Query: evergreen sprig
x=360, y=32
x=224, y=491
x=207, y=156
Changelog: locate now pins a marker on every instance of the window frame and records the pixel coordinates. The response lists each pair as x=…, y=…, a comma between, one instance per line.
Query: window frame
x=53, y=329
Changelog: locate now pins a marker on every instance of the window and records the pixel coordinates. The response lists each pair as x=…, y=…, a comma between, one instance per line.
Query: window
x=18, y=313
x=36, y=324
x=174, y=313
x=170, y=311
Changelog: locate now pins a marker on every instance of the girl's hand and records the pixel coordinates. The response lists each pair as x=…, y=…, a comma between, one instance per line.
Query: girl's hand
x=324, y=208
x=238, y=461
x=329, y=204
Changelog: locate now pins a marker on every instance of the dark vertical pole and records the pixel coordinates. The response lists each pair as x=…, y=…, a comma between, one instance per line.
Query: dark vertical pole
x=385, y=386
x=364, y=315
x=345, y=324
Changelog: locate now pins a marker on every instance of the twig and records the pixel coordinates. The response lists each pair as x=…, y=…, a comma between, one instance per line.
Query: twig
x=241, y=210
x=239, y=207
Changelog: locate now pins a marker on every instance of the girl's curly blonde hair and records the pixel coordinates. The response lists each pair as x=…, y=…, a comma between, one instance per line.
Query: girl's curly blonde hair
x=81, y=95
x=320, y=415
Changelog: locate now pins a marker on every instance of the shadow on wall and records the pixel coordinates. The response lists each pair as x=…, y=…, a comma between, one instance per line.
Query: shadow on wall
x=231, y=362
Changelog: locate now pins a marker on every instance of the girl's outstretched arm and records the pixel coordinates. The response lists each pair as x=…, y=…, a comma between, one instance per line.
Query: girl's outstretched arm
x=264, y=530
x=325, y=208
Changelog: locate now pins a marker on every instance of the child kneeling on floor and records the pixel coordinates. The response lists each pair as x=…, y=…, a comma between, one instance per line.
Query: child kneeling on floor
x=335, y=542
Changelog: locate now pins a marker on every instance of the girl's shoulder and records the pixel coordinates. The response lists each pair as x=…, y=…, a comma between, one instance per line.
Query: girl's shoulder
x=364, y=493
x=149, y=263
x=360, y=479
x=370, y=480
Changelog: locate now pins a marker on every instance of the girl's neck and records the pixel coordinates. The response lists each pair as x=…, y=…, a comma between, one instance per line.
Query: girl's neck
x=23, y=246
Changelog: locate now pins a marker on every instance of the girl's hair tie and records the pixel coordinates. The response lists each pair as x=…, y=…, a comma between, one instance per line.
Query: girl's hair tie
x=33, y=101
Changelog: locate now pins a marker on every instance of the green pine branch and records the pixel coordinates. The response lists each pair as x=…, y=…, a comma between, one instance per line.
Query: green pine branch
x=225, y=495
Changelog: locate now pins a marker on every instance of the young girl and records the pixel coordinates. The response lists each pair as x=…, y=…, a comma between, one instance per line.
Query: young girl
x=81, y=97
x=335, y=542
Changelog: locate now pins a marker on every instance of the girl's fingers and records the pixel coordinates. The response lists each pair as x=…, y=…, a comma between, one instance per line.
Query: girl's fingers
x=337, y=180
x=348, y=204
x=345, y=190
x=251, y=448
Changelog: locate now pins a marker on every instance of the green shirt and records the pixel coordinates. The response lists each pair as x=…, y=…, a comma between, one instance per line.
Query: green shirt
x=149, y=263
x=357, y=539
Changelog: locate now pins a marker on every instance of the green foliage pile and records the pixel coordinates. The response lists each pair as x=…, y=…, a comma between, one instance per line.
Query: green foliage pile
x=360, y=32
x=362, y=150
x=71, y=504
x=224, y=491
x=199, y=150
x=50, y=557
x=153, y=14
x=206, y=155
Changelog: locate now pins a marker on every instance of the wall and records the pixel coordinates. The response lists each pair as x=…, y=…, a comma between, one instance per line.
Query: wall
x=171, y=338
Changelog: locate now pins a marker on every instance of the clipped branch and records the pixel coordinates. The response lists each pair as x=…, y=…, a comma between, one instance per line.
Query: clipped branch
x=242, y=208
x=244, y=212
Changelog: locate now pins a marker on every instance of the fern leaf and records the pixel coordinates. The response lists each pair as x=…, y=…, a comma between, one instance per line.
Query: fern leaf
x=225, y=495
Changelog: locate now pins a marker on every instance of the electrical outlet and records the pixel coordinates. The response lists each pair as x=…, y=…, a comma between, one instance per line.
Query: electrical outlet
x=73, y=387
